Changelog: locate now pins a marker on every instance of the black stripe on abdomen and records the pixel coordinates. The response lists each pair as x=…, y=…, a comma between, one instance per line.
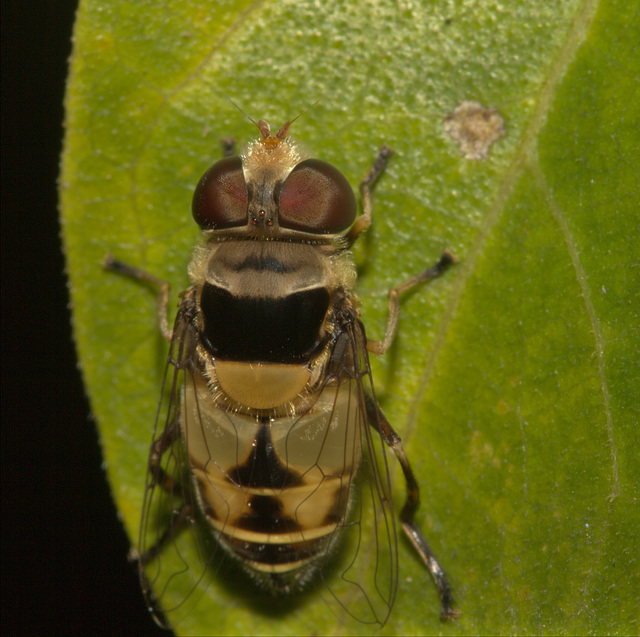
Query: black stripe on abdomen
x=263, y=468
x=276, y=556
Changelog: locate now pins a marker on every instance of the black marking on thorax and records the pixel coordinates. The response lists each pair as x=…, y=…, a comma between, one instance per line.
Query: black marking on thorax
x=262, y=263
x=284, y=329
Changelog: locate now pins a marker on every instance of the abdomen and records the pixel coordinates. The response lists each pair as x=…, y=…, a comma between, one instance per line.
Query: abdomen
x=276, y=489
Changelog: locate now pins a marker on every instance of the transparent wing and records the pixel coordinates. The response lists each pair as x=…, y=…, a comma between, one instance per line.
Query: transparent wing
x=364, y=582
x=171, y=561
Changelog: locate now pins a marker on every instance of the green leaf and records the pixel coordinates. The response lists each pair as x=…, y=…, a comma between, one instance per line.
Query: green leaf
x=514, y=378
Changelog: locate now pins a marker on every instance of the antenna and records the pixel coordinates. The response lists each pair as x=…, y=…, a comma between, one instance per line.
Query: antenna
x=263, y=126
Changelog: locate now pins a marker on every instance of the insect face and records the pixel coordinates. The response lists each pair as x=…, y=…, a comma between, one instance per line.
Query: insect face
x=271, y=435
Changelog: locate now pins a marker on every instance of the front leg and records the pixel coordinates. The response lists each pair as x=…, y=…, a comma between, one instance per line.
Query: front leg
x=380, y=347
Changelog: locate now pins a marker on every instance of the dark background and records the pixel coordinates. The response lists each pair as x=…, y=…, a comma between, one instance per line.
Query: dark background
x=64, y=552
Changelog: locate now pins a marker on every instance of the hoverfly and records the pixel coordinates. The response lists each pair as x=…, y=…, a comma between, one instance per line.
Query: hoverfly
x=270, y=436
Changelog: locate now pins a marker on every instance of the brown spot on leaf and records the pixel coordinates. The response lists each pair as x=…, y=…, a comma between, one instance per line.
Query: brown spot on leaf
x=475, y=128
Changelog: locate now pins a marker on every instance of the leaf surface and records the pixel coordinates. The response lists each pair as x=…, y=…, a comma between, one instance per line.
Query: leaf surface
x=514, y=378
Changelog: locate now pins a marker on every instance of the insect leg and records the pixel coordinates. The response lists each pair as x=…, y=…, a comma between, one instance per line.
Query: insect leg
x=380, y=347
x=163, y=288
x=159, y=477
x=157, y=473
x=178, y=520
x=366, y=192
x=379, y=422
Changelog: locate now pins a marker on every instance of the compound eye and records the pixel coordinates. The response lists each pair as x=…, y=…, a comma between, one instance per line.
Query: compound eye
x=220, y=198
x=316, y=197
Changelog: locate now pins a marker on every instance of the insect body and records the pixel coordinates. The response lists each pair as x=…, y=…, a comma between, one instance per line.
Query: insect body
x=273, y=438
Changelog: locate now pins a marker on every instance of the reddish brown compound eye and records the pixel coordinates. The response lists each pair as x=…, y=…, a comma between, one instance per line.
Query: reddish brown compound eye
x=316, y=197
x=220, y=198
